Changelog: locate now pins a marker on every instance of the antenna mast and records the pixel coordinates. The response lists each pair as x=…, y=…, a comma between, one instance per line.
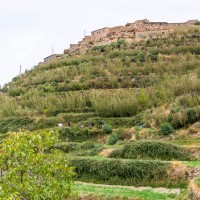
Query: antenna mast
x=52, y=50
x=20, y=70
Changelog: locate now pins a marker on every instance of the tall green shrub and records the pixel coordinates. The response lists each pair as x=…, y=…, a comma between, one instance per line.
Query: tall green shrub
x=166, y=128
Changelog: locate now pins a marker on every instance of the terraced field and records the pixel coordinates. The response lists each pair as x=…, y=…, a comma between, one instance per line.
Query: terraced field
x=129, y=115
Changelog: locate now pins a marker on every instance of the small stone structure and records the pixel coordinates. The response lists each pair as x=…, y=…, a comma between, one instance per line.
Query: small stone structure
x=52, y=58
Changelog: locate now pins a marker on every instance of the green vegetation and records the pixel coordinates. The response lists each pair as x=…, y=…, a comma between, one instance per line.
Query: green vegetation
x=77, y=134
x=113, y=139
x=27, y=172
x=53, y=88
x=127, y=172
x=197, y=23
x=14, y=124
x=106, y=192
x=166, y=128
x=192, y=163
x=136, y=102
x=88, y=148
x=151, y=150
x=107, y=129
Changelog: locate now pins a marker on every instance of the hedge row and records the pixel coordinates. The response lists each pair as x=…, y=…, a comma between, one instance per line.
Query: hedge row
x=77, y=134
x=23, y=123
x=88, y=148
x=126, y=172
x=76, y=117
x=87, y=118
x=115, y=122
x=26, y=123
x=151, y=150
x=14, y=124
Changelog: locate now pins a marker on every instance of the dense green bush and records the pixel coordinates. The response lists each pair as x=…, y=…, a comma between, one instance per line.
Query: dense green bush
x=88, y=148
x=177, y=119
x=151, y=150
x=16, y=92
x=14, y=124
x=88, y=145
x=107, y=129
x=66, y=146
x=138, y=119
x=192, y=115
x=126, y=172
x=113, y=139
x=77, y=134
x=181, y=117
x=77, y=117
x=42, y=123
x=114, y=122
x=166, y=128
x=26, y=123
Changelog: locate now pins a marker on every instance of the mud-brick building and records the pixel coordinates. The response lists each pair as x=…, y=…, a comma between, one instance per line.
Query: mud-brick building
x=74, y=48
x=52, y=58
x=138, y=30
x=100, y=33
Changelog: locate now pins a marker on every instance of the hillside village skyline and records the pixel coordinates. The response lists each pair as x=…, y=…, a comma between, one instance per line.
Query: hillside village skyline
x=134, y=31
x=28, y=32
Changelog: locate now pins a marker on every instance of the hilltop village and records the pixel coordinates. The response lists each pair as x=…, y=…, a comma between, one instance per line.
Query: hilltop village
x=139, y=30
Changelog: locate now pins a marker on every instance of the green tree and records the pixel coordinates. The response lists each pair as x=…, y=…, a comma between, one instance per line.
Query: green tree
x=29, y=170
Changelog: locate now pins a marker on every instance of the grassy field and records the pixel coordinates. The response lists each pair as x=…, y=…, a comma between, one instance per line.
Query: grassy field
x=128, y=193
x=192, y=163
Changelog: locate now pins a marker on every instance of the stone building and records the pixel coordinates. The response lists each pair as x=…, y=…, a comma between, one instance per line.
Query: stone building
x=52, y=58
x=138, y=30
x=100, y=33
x=74, y=48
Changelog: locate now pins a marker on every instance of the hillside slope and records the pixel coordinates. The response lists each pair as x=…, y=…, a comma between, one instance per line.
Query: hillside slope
x=137, y=104
x=156, y=76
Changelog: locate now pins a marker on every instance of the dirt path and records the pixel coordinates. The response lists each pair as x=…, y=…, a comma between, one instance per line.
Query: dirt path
x=158, y=190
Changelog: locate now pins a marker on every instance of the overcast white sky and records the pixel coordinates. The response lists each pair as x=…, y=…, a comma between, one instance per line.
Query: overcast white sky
x=29, y=28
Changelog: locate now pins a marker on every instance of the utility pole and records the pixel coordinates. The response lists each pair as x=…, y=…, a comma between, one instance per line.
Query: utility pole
x=20, y=70
x=52, y=50
x=84, y=33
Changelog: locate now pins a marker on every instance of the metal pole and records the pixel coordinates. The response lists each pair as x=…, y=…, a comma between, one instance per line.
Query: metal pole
x=20, y=70
x=52, y=50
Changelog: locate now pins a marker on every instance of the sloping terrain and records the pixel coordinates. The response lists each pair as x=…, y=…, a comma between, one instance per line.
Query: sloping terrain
x=129, y=114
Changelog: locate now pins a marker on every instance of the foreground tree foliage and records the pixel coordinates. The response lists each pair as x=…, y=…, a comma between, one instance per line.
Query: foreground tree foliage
x=27, y=171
